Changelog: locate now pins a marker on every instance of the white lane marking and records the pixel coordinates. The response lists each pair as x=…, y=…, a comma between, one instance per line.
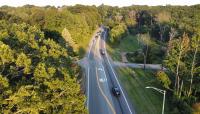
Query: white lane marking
x=102, y=80
x=90, y=47
x=101, y=61
x=88, y=92
x=116, y=77
x=100, y=69
x=104, y=72
x=90, y=50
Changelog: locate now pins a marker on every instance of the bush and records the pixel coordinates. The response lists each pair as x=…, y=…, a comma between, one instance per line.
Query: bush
x=180, y=107
x=135, y=57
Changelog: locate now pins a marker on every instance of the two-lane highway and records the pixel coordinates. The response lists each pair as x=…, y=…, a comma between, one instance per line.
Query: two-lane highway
x=101, y=77
x=99, y=99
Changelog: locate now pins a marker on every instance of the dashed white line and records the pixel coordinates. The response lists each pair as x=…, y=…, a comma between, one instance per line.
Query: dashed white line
x=101, y=61
x=90, y=49
x=88, y=91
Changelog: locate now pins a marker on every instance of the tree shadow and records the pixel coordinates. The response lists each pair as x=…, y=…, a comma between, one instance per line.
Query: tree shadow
x=57, y=37
x=81, y=52
x=53, y=34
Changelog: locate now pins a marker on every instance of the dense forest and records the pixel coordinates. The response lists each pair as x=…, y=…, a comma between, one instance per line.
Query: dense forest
x=39, y=45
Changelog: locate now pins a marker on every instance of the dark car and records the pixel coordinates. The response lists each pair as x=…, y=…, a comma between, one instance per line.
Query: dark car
x=116, y=91
x=102, y=52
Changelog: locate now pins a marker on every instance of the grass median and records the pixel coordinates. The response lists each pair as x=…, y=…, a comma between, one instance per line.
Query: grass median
x=145, y=101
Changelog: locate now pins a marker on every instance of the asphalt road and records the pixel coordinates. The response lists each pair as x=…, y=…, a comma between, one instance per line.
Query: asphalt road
x=101, y=77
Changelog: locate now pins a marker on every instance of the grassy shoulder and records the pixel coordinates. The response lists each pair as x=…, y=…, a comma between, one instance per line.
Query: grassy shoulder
x=83, y=44
x=127, y=44
x=145, y=101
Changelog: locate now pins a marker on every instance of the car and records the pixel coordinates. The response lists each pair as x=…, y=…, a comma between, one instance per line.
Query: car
x=116, y=91
x=102, y=52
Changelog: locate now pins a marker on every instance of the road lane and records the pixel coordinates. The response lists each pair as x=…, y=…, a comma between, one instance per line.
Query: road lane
x=125, y=106
x=102, y=87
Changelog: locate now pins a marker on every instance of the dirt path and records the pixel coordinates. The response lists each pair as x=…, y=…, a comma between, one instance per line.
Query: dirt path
x=123, y=56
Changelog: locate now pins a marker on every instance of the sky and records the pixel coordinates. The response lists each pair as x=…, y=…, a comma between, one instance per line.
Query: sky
x=119, y=3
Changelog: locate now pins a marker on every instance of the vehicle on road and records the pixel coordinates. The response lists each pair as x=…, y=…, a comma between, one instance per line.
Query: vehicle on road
x=102, y=51
x=116, y=91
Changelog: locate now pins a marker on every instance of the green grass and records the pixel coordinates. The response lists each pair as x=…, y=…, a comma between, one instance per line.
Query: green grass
x=145, y=101
x=130, y=44
x=127, y=44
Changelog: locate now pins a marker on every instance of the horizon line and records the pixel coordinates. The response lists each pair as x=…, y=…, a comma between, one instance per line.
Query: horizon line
x=96, y=5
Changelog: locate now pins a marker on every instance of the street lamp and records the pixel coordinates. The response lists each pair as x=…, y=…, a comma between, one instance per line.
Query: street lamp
x=161, y=91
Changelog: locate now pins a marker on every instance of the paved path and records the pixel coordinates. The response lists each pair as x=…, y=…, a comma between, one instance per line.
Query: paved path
x=137, y=65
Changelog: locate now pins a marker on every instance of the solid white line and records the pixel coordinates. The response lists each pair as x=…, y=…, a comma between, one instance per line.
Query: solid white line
x=116, y=78
x=90, y=48
x=88, y=90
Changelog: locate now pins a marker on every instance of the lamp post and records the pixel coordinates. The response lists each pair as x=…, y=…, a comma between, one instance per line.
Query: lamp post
x=161, y=91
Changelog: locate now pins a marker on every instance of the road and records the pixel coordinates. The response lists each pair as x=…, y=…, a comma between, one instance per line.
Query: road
x=101, y=77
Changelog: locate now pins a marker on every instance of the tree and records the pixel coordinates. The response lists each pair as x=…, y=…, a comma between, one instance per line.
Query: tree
x=130, y=19
x=3, y=83
x=25, y=62
x=40, y=73
x=69, y=40
x=174, y=60
x=145, y=39
x=194, y=68
x=172, y=34
x=53, y=49
x=163, y=79
x=6, y=56
x=37, y=65
x=162, y=18
x=117, y=32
